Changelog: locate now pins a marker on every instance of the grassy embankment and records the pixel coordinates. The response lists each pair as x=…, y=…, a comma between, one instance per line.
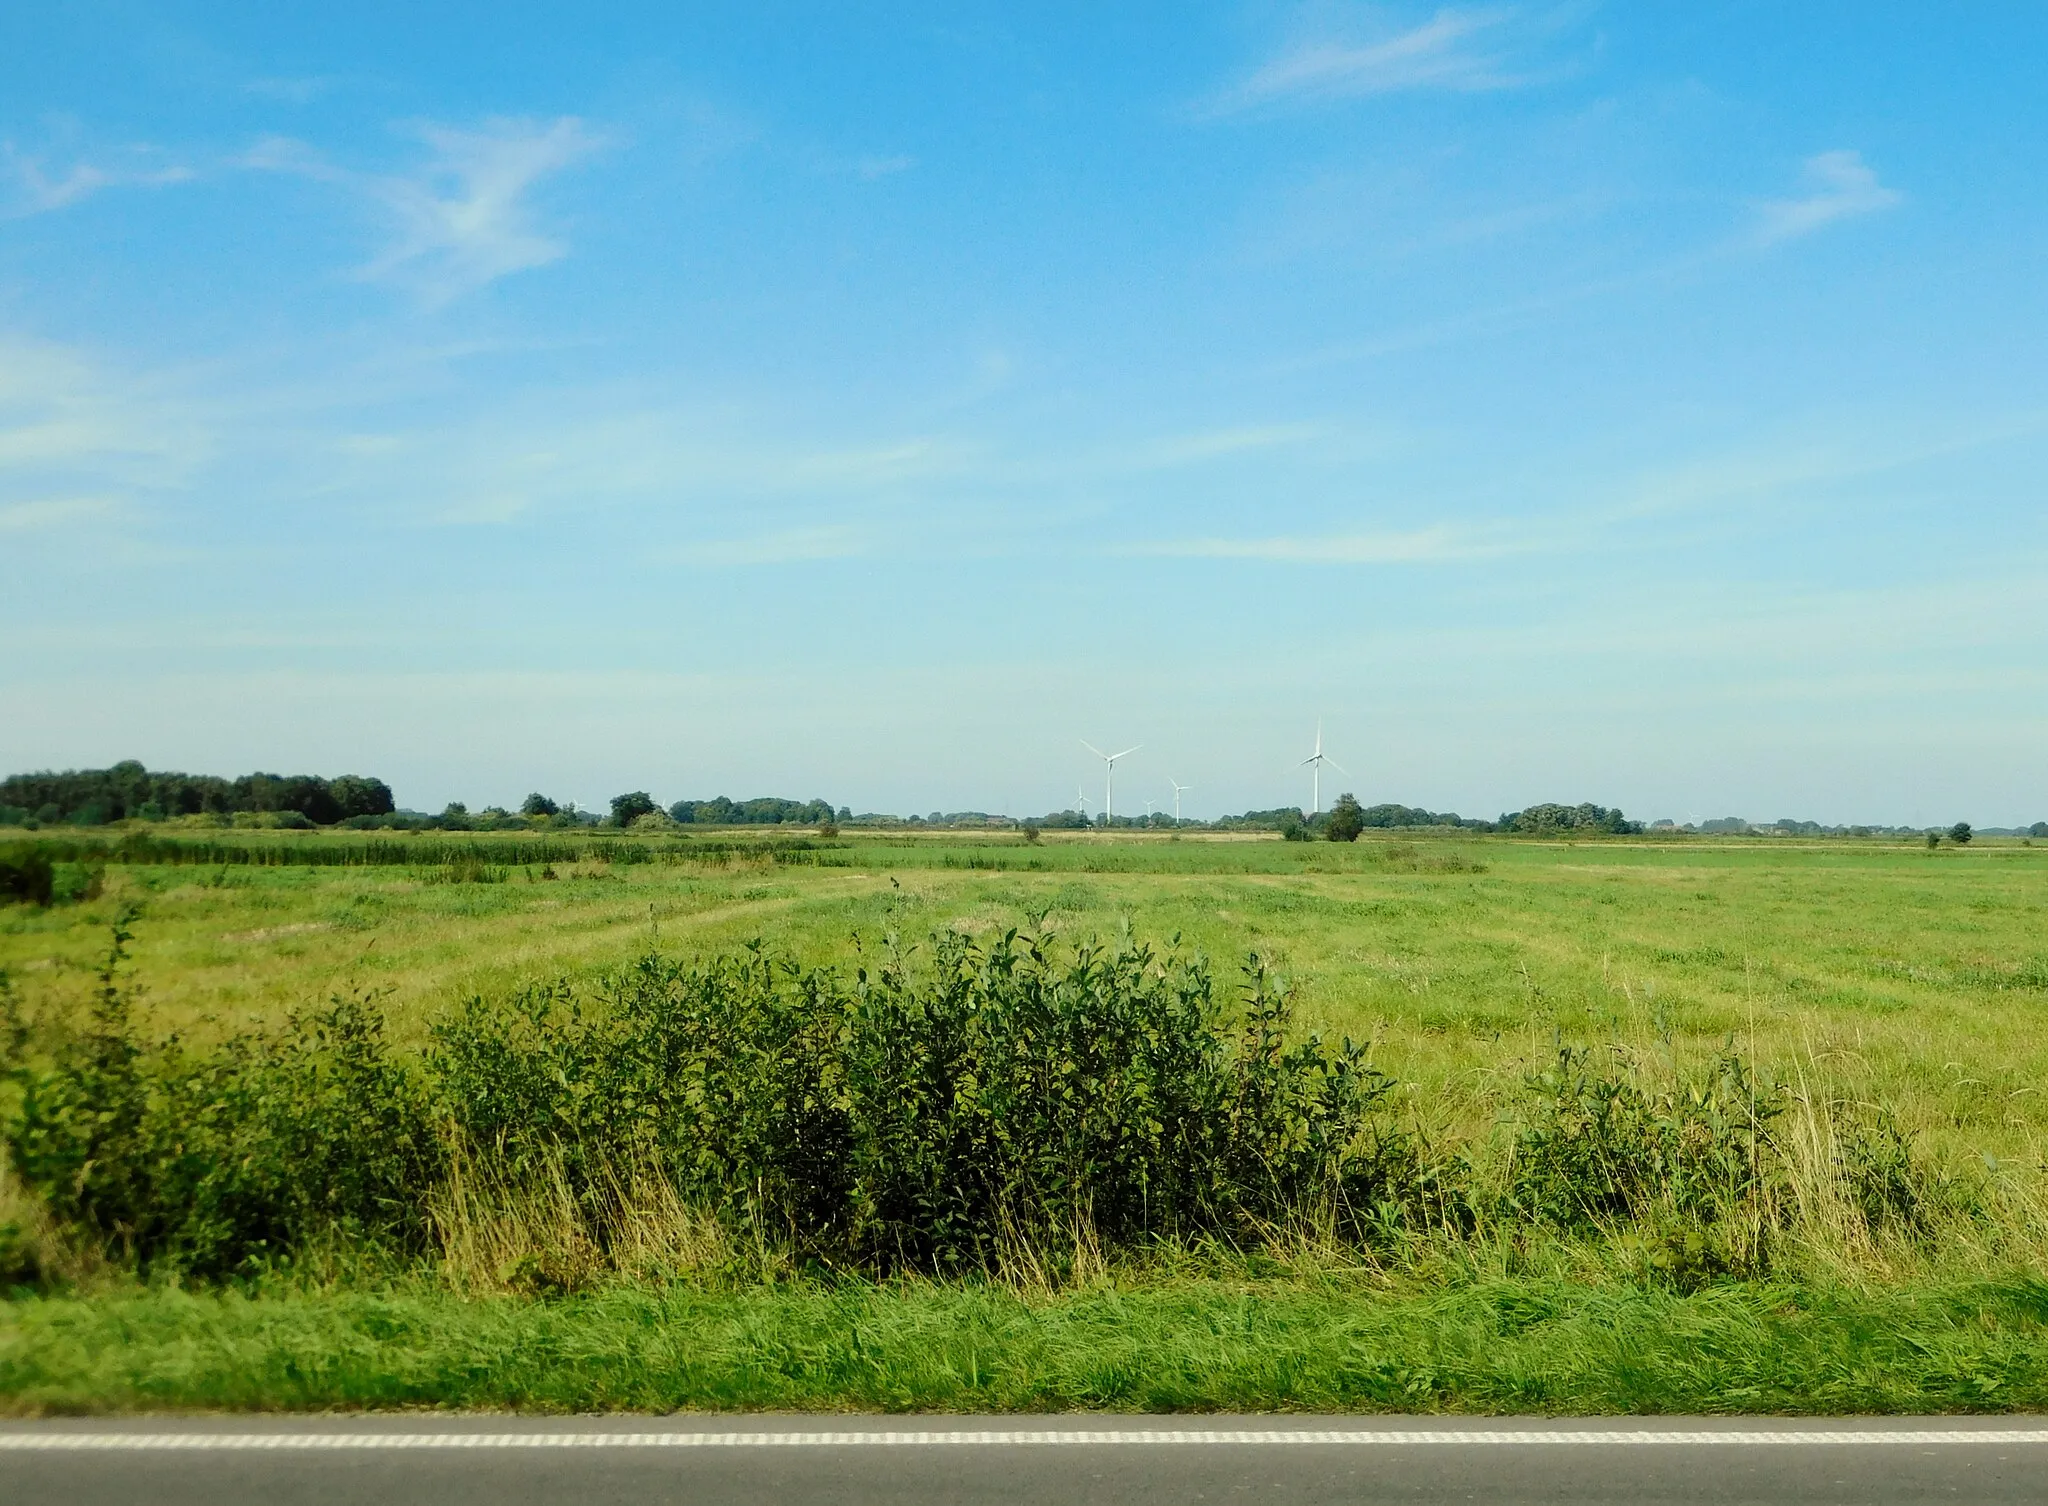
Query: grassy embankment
x=1860, y=974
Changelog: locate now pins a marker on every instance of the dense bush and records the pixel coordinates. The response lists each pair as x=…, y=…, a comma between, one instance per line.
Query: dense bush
x=1595, y=1148
x=930, y=1118
x=1345, y=821
x=216, y=1160
x=1001, y=1107
x=27, y=876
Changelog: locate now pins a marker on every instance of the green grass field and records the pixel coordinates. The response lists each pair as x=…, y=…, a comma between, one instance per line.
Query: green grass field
x=1915, y=977
x=1867, y=976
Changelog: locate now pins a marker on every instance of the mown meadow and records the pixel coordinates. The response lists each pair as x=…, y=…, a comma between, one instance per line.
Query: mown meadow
x=885, y=1120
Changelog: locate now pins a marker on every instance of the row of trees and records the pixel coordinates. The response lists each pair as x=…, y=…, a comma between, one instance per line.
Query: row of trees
x=767, y=810
x=94, y=797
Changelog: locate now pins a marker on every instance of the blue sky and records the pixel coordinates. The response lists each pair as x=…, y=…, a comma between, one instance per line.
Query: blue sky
x=1639, y=404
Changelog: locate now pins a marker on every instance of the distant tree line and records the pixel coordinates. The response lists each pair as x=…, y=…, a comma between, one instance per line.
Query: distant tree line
x=639, y=807
x=767, y=810
x=128, y=791
x=1350, y=818
x=1548, y=820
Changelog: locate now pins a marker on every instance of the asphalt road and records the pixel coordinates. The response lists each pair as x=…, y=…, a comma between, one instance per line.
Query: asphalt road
x=838, y=1461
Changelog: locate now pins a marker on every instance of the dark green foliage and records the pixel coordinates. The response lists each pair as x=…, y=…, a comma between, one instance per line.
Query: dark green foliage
x=1960, y=833
x=767, y=810
x=1889, y=1188
x=1596, y=1149
x=27, y=876
x=1009, y=1106
x=1002, y=1100
x=1063, y=821
x=1390, y=816
x=1933, y=840
x=94, y=797
x=628, y=808
x=415, y=851
x=1294, y=829
x=1346, y=820
x=1569, y=820
x=219, y=1160
x=2038, y=829
x=538, y=804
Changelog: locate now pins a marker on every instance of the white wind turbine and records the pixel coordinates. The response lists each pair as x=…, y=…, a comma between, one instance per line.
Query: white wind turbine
x=1315, y=761
x=1108, y=770
x=1179, y=789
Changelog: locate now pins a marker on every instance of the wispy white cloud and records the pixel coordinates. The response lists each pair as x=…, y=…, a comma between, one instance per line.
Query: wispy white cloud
x=1440, y=545
x=462, y=219
x=1841, y=185
x=1458, y=50
x=871, y=168
x=50, y=513
x=34, y=186
x=290, y=91
x=1214, y=444
x=67, y=422
x=782, y=547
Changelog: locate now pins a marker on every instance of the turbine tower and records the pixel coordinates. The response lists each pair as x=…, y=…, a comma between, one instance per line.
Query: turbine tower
x=1315, y=761
x=1178, y=790
x=1108, y=771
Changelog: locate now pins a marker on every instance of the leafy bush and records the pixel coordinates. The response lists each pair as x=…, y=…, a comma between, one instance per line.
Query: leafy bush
x=630, y=807
x=1347, y=820
x=27, y=876
x=1010, y=1106
x=1597, y=1149
x=1001, y=1100
x=215, y=1161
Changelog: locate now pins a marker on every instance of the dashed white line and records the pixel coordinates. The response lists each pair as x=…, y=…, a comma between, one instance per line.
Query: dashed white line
x=1579, y=1437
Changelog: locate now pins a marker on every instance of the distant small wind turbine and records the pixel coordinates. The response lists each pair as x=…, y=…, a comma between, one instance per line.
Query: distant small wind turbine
x=1315, y=761
x=1080, y=800
x=1108, y=770
x=1178, y=790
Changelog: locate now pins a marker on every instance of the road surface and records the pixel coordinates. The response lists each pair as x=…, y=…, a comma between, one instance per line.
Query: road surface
x=842, y=1461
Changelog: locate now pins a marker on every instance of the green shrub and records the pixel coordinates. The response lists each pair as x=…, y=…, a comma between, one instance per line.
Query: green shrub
x=220, y=1160
x=936, y=1118
x=1597, y=1149
x=27, y=876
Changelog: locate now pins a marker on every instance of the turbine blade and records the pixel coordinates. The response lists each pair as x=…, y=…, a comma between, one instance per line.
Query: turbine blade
x=1093, y=749
x=1336, y=765
x=1131, y=749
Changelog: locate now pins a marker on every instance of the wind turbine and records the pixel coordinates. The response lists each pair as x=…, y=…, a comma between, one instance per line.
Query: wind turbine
x=1108, y=769
x=1081, y=802
x=1178, y=790
x=1315, y=761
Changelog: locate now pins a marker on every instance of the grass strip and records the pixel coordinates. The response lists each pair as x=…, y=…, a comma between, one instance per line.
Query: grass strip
x=1507, y=1347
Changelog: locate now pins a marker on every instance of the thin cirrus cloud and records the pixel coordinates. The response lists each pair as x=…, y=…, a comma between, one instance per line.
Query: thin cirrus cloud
x=781, y=547
x=51, y=513
x=461, y=220
x=1841, y=186
x=1457, y=50
x=34, y=188
x=1441, y=545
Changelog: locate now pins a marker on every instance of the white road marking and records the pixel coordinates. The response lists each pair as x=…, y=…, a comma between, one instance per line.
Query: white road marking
x=67, y=1442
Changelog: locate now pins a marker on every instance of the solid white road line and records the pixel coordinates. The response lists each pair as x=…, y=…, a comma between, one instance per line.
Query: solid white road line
x=1582, y=1437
